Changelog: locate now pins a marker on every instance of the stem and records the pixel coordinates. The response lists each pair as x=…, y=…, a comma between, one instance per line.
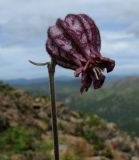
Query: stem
x=51, y=70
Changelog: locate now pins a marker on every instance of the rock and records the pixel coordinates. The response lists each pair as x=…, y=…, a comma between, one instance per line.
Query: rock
x=100, y=158
x=105, y=132
x=120, y=155
x=75, y=114
x=135, y=158
x=75, y=120
x=44, y=137
x=16, y=157
x=78, y=137
x=19, y=92
x=79, y=145
x=64, y=126
x=88, y=158
x=111, y=126
x=41, y=124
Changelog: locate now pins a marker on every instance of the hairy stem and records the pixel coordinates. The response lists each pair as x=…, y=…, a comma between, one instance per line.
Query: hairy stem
x=51, y=70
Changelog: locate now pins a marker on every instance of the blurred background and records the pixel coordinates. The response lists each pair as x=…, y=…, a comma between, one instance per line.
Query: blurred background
x=23, y=33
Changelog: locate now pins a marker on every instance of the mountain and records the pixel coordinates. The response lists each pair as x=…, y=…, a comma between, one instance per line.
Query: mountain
x=117, y=101
x=25, y=131
x=23, y=81
x=26, y=81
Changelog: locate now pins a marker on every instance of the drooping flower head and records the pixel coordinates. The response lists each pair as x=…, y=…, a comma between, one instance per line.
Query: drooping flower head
x=75, y=43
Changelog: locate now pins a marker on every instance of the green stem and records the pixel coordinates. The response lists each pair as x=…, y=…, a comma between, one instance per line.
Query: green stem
x=51, y=70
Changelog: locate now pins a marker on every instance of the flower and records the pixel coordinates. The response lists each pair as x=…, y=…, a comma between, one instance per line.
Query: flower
x=75, y=43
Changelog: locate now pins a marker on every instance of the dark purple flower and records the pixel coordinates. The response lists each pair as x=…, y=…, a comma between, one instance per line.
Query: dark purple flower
x=75, y=43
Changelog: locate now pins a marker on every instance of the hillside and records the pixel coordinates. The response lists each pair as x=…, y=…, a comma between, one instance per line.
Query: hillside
x=25, y=131
x=117, y=101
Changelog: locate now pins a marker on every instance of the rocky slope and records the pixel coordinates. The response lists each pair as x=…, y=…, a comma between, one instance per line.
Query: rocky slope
x=117, y=98
x=25, y=132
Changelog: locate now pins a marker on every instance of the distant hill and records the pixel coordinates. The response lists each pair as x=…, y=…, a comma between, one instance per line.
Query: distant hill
x=117, y=101
x=26, y=81
x=63, y=78
x=16, y=82
x=25, y=131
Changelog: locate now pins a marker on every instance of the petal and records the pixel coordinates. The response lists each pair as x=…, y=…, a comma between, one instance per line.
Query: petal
x=86, y=82
x=107, y=63
x=78, y=71
x=59, y=56
x=97, y=83
x=91, y=31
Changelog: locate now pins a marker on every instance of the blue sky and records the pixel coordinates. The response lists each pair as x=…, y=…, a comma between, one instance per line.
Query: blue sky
x=23, y=32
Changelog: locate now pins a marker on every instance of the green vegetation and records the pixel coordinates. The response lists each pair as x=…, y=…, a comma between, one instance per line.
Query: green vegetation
x=5, y=88
x=17, y=139
x=26, y=131
x=109, y=153
x=3, y=123
x=117, y=101
x=20, y=140
x=99, y=143
x=94, y=120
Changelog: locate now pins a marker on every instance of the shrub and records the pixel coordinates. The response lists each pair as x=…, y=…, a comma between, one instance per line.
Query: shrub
x=94, y=120
x=90, y=136
x=17, y=139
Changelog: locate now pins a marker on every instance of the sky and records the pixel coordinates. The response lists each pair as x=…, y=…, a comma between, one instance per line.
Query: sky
x=23, y=33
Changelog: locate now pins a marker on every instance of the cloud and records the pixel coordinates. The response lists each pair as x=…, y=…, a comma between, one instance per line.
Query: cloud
x=24, y=24
x=134, y=29
x=30, y=33
x=14, y=62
